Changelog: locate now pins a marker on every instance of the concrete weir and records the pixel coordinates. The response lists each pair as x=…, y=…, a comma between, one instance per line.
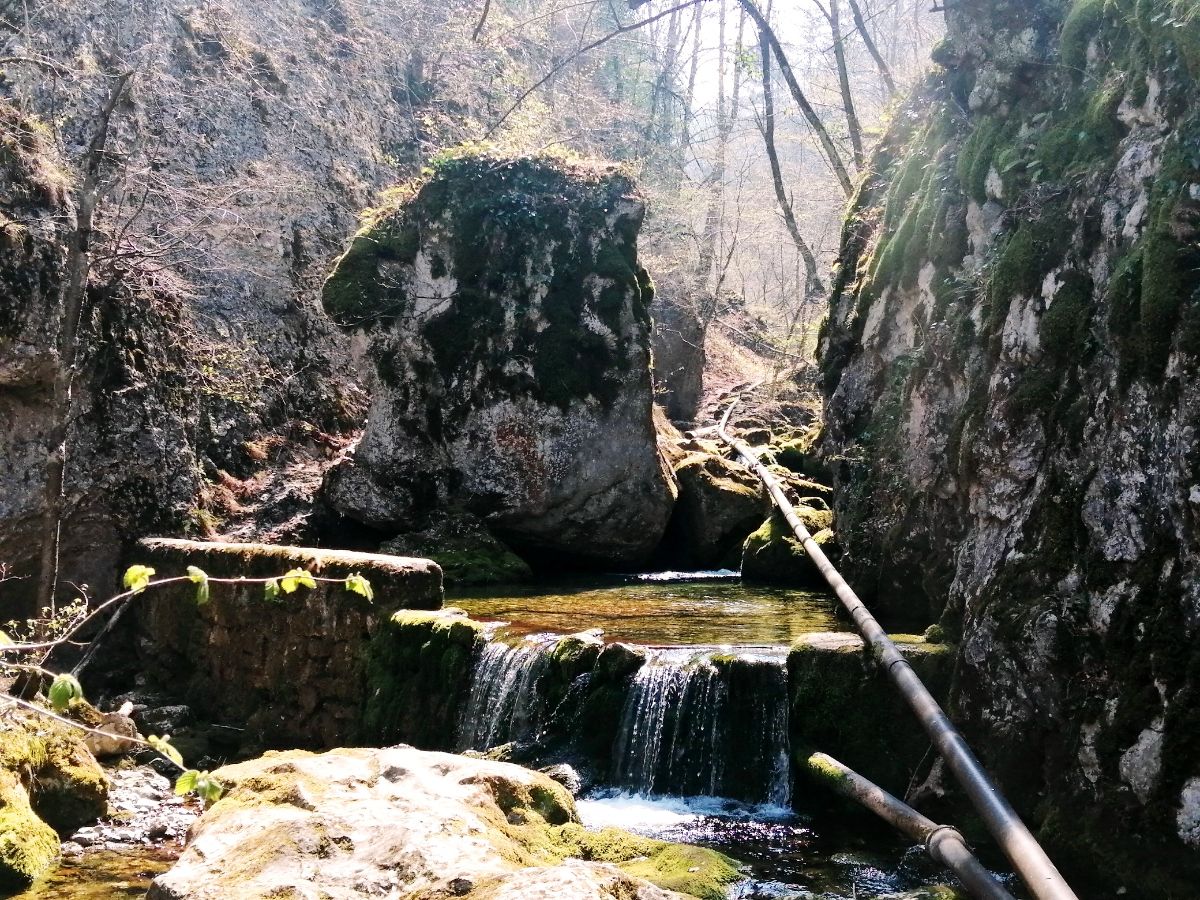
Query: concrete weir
x=291, y=670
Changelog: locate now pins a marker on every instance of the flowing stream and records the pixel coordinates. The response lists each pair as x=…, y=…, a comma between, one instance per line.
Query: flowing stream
x=700, y=751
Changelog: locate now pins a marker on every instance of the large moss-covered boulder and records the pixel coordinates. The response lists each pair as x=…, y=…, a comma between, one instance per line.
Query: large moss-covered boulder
x=48, y=781
x=773, y=554
x=720, y=503
x=403, y=822
x=508, y=323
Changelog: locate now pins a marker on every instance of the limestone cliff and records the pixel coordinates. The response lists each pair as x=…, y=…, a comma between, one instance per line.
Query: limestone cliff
x=1010, y=363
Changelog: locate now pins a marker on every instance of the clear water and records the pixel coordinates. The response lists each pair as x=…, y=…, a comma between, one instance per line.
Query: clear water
x=104, y=875
x=654, y=611
x=787, y=856
x=689, y=728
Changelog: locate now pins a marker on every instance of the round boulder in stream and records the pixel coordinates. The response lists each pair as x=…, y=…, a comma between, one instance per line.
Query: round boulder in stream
x=401, y=822
x=506, y=314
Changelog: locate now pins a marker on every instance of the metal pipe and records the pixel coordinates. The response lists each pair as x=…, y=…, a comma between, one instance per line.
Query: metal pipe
x=944, y=844
x=1019, y=845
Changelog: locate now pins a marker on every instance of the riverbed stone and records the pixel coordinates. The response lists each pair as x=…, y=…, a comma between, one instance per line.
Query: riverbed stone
x=773, y=554
x=336, y=824
x=508, y=326
x=468, y=553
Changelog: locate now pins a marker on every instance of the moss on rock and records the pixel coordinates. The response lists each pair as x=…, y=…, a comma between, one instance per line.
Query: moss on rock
x=773, y=554
x=418, y=670
x=48, y=781
x=28, y=846
x=475, y=216
x=465, y=827
x=720, y=503
x=469, y=554
x=843, y=705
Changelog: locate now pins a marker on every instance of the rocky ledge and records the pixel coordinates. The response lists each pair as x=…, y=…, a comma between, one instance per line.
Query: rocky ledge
x=403, y=822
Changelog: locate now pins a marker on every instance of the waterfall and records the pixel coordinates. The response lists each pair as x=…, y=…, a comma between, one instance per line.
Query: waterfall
x=701, y=724
x=503, y=702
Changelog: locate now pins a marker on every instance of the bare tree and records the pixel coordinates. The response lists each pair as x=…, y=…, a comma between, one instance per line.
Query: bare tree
x=830, y=150
x=94, y=165
x=813, y=283
x=860, y=24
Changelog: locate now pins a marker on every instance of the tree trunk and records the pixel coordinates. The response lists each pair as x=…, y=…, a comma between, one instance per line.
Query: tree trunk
x=884, y=72
x=813, y=283
x=79, y=263
x=839, y=55
x=831, y=154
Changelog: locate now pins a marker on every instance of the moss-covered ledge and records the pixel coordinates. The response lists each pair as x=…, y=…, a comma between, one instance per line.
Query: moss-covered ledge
x=841, y=704
x=291, y=671
x=419, y=667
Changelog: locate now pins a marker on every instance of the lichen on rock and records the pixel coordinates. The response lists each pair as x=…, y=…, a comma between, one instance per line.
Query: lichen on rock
x=508, y=321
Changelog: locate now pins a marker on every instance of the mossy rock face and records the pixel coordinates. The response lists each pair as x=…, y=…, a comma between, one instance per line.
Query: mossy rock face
x=48, y=781
x=720, y=503
x=418, y=673
x=509, y=324
x=464, y=827
x=28, y=846
x=798, y=453
x=469, y=554
x=843, y=705
x=773, y=554
x=1013, y=346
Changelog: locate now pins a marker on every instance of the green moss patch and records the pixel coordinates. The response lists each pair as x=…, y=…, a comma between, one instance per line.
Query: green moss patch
x=418, y=670
x=48, y=780
x=841, y=704
x=773, y=554
x=532, y=250
x=28, y=846
x=469, y=554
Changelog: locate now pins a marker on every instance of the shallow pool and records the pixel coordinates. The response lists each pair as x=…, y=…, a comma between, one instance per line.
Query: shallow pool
x=686, y=610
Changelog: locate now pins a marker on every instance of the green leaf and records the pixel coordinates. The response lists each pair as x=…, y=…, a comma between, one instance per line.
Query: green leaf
x=356, y=584
x=186, y=783
x=136, y=578
x=295, y=578
x=271, y=589
x=63, y=690
x=163, y=746
x=209, y=789
x=202, y=784
x=5, y=640
x=200, y=578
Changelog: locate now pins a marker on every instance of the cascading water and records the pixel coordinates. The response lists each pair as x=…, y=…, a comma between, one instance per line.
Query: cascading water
x=701, y=724
x=503, y=702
